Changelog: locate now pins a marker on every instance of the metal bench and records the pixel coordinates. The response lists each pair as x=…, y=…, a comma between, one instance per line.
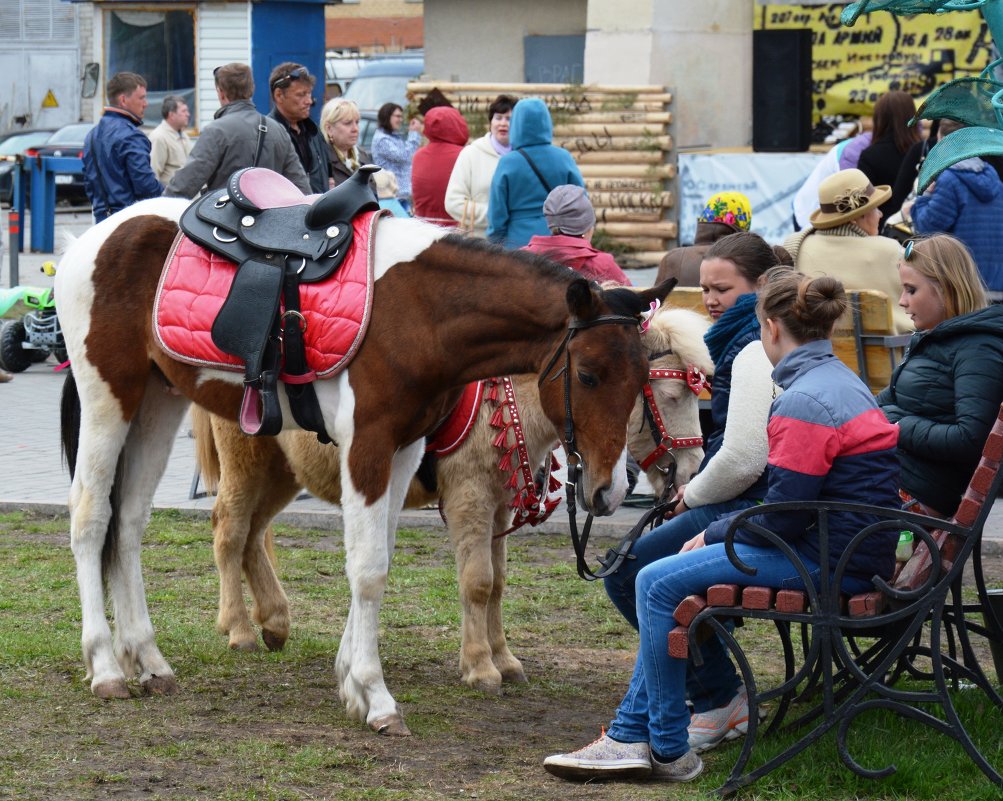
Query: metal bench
x=854, y=650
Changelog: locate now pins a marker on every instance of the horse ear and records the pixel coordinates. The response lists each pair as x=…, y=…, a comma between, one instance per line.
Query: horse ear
x=582, y=300
x=660, y=292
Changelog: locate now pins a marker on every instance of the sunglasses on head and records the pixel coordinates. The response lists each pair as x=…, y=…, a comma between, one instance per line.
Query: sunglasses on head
x=300, y=73
x=909, y=245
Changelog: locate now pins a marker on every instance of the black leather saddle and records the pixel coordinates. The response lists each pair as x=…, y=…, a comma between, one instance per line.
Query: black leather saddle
x=279, y=238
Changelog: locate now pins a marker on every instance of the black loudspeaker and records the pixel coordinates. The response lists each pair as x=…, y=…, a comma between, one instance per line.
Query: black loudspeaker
x=781, y=90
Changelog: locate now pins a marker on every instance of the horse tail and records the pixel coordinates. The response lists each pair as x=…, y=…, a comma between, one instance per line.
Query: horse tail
x=206, y=453
x=69, y=419
x=427, y=472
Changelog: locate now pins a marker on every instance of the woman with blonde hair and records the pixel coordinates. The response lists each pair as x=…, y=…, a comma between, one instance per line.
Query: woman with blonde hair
x=947, y=391
x=339, y=125
x=828, y=440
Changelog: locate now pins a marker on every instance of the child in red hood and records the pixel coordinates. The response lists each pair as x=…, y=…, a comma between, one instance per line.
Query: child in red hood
x=432, y=165
x=572, y=221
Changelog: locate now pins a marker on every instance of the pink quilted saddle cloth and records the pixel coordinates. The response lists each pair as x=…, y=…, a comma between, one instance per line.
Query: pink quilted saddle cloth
x=195, y=282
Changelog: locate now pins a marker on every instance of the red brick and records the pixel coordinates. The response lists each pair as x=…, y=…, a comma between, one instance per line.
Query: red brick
x=679, y=643
x=791, y=601
x=757, y=597
x=723, y=595
x=867, y=604
x=688, y=609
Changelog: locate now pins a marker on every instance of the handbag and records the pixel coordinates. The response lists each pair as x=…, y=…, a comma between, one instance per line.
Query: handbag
x=468, y=218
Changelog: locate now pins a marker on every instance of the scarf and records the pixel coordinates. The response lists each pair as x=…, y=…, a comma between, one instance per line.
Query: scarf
x=739, y=321
x=500, y=149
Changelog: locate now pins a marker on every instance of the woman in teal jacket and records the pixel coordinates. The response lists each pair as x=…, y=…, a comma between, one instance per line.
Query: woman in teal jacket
x=947, y=391
x=526, y=175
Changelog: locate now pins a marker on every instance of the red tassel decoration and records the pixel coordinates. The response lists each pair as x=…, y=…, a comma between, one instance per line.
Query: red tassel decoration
x=505, y=464
x=498, y=419
x=500, y=438
x=555, y=484
x=491, y=390
x=512, y=482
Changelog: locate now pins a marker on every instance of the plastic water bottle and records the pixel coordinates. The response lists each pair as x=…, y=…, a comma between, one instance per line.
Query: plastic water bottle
x=904, y=550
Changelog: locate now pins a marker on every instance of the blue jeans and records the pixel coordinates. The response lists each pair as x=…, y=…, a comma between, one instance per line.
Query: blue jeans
x=717, y=682
x=654, y=708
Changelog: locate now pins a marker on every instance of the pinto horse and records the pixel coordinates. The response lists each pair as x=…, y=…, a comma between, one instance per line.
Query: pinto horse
x=258, y=477
x=445, y=312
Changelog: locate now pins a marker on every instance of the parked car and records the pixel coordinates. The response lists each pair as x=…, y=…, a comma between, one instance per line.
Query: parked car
x=339, y=71
x=382, y=80
x=67, y=141
x=12, y=144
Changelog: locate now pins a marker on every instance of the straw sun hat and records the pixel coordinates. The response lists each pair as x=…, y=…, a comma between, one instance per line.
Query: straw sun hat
x=844, y=197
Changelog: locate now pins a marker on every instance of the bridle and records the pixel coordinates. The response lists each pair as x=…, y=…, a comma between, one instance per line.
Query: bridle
x=696, y=382
x=575, y=461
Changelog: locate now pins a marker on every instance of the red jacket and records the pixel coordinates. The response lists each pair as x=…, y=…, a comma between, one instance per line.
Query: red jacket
x=432, y=165
x=580, y=256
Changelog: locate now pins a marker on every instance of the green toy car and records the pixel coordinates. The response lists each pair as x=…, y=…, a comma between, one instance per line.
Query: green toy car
x=30, y=329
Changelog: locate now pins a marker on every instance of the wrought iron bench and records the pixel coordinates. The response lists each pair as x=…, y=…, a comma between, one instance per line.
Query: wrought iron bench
x=854, y=650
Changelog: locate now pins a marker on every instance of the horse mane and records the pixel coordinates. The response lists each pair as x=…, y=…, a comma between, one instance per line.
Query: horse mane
x=544, y=266
x=683, y=331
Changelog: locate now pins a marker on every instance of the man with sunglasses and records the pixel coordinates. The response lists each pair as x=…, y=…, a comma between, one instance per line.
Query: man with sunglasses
x=291, y=87
x=239, y=136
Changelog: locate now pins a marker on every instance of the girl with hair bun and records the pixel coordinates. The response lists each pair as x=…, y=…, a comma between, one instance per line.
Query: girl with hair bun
x=828, y=441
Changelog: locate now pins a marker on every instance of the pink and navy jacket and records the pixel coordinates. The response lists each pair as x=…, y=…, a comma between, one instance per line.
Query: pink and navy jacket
x=829, y=441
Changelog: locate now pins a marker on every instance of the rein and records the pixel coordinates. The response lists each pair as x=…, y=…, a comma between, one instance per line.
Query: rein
x=575, y=461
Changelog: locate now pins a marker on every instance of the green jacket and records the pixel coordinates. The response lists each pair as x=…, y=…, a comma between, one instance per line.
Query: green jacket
x=945, y=396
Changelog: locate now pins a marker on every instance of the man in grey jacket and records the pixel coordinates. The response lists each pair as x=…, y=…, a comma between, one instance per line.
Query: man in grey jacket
x=238, y=137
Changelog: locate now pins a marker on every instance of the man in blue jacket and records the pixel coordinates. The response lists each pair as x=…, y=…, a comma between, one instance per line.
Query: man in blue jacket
x=117, y=170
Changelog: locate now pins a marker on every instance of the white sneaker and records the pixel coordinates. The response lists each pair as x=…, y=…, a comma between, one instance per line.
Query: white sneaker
x=728, y=722
x=604, y=758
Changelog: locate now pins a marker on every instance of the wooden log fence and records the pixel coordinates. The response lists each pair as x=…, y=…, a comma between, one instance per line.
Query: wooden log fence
x=620, y=138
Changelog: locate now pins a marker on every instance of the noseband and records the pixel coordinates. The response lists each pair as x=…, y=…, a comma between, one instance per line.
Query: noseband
x=575, y=460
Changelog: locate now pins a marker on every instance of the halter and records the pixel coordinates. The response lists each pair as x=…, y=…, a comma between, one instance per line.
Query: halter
x=575, y=460
x=696, y=381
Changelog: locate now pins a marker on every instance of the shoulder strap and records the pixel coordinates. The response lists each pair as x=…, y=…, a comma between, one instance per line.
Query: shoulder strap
x=536, y=169
x=262, y=130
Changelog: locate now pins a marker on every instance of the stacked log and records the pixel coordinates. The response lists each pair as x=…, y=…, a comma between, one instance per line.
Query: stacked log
x=618, y=135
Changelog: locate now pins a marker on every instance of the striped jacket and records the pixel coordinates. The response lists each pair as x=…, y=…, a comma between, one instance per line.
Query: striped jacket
x=829, y=441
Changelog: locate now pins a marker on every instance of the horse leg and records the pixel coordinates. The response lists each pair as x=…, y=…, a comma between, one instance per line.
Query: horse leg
x=367, y=562
x=147, y=450
x=101, y=438
x=509, y=667
x=468, y=509
x=271, y=606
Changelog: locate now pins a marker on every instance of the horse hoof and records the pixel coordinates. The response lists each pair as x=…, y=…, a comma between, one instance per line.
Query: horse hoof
x=160, y=685
x=109, y=690
x=246, y=646
x=273, y=641
x=487, y=685
x=514, y=676
x=391, y=726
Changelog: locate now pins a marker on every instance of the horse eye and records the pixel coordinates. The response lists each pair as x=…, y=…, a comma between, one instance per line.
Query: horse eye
x=588, y=379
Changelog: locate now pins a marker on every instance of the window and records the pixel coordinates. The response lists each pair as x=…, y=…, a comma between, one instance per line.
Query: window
x=160, y=46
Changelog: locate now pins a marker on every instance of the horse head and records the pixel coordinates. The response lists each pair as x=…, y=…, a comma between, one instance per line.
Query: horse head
x=665, y=435
x=589, y=385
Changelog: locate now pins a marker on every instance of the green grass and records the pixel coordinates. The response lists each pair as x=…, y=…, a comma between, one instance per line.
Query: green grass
x=270, y=725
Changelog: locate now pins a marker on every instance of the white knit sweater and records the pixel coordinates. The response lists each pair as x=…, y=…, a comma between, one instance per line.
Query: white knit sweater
x=743, y=453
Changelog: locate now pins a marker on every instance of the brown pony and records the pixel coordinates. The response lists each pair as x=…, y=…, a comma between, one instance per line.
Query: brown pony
x=445, y=312
x=257, y=478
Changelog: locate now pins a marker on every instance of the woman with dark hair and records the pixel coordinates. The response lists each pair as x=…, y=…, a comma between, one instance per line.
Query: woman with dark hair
x=827, y=440
x=732, y=476
x=891, y=140
x=469, y=186
x=394, y=153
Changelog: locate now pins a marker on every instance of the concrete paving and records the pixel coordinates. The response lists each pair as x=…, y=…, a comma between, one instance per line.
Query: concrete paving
x=32, y=475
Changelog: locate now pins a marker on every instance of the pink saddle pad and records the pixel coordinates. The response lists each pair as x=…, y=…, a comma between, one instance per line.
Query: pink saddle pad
x=195, y=282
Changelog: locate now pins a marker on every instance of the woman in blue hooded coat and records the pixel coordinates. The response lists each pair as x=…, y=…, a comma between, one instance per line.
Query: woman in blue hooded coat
x=526, y=175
